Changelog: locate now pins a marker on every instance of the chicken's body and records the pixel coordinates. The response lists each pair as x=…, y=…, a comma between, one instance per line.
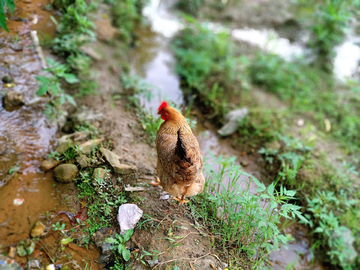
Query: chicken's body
x=179, y=161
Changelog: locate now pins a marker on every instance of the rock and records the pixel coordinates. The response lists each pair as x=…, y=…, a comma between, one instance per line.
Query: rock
x=135, y=189
x=13, y=99
x=273, y=146
x=34, y=264
x=38, y=229
x=100, y=235
x=124, y=169
x=50, y=267
x=152, y=263
x=90, y=52
x=48, y=164
x=232, y=120
x=83, y=161
x=65, y=173
x=164, y=197
x=63, y=144
x=104, y=29
x=89, y=146
x=347, y=249
x=128, y=217
x=113, y=159
x=8, y=264
x=7, y=79
x=12, y=252
x=85, y=116
x=17, y=47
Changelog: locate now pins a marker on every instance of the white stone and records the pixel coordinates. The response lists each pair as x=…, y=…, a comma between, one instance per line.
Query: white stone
x=128, y=217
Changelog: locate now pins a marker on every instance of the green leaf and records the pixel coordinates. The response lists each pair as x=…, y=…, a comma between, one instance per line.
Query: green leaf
x=121, y=239
x=42, y=79
x=121, y=247
x=318, y=230
x=10, y=4
x=270, y=189
x=2, y=18
x=128, y=234
x=31, y=248
x=66, y=241
x=70, y=99
x=70, y=78
x=111, y=240
x=260, y=185
x=42, y=90
x=126, y=254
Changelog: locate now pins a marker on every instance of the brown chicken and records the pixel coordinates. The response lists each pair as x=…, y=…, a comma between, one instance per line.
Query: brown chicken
x=179, y=161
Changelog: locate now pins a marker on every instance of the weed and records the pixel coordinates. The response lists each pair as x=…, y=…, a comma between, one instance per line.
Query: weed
x=118, y=244
x=190, y=6
x=11, y=6
x=241, y=220
x=210, y=70
x=329, y=22
x=126, y=14
x=52, y=86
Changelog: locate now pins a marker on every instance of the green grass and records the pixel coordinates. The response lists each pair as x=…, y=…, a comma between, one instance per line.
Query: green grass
x=241, y=221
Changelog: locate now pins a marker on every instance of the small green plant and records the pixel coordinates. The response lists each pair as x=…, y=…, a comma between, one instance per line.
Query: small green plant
x=118, y=244
x=241, y=219
x=13, y=169
x=126, y=14
x=190, y=6
x=11, y=6
x=52, y=86
x=330, y=20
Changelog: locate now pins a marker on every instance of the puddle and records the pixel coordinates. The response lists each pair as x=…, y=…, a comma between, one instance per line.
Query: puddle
x=154, y=62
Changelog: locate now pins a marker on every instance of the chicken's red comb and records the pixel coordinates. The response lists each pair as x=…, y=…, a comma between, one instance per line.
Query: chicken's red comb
x=163, y=105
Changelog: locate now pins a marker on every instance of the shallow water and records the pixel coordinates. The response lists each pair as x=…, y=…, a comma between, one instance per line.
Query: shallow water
x=157, y=68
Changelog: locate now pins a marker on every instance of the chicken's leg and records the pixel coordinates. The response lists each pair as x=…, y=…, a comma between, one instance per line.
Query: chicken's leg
x=181, y=200
x=158, y=183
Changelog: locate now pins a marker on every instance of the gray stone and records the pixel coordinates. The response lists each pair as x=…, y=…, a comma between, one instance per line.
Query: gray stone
x=48, y=164
x=89, y=146
x=13, y=98
x=38, y=229
x=34, y=264
x=83, y=161
x=232, y=120
x=113, y=159
x=8, y=264
x=128, y=217
x=63, y=144
x=273, y=146
x=124, y=169
x=347, y=249
x=86, y=116
x=65, y=173
x=90, y=52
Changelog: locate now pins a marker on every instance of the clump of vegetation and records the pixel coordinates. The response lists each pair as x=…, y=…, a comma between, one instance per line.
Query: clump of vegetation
x=209, y=69
x=190, y=6
x=139, y=88
x=126, y=14
x=329, y=22
x=241, y=220
x=11, y=6
x=52, y=85
x=75, y=30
